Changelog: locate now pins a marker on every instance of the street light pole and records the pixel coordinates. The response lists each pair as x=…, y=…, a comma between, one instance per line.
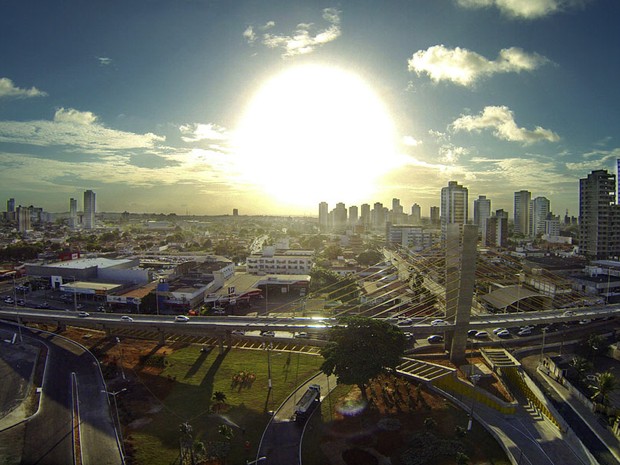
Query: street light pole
x=118, y=420
x=19, y=323
x=474, y=380
x=118, y=341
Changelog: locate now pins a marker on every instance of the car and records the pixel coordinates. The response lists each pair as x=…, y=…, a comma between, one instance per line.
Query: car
x=524, y=332
x=181, y=318
x=503, y=333
x=434, y=339
x=498, y=330
x=101, y=308
x=472, y=332
x=267, y=334
x=126, y=318
x=585, y=321
x=219, y=311
x=481, y=335
x=302, y=335
x=438, y=322
x=83, y=314
x=43, y=305
x=568, y=313
x=526, y=327
x=405, y=322
x=238, y=332
x=408, y=336
x=21, y=302
x=8, y=300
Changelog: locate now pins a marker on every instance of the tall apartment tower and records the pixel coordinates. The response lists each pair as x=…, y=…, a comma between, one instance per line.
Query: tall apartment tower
x=353, y=215
x=340, y=217
x=323, y=216
x=23, y=218
x=482, y=211
x=73, y=218
x=416, y=214
x=10, y=206
x=599, y=216
x=435, y=215
x=397, y=211
x=539, y=211
x=365, y=214
x=522, y=212
x=378, y=216
x=90, y=207
x=453, y=206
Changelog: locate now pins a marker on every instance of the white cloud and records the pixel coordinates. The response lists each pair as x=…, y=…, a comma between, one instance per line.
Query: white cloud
x=104, y=61
x=450, y=153
x=464, y=67
x=74, y=116
x=303, y=40
x=198, y=132
x=524, y=9
x=411, y=141
x=10, y=90
x=500, y=119
x=76, y=129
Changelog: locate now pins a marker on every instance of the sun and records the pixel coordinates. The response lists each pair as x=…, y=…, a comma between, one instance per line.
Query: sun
x=315, y=133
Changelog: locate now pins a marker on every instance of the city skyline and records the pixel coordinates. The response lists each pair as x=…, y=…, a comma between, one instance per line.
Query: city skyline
x=271, y=108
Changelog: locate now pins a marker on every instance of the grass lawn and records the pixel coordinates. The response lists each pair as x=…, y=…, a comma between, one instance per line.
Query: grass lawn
x=340, y=428
x=191, y=378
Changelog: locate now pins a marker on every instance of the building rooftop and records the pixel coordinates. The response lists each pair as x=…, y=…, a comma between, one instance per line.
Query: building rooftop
x=83, y=263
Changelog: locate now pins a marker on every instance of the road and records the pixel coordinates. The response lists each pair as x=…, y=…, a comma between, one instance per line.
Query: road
x=48, y=435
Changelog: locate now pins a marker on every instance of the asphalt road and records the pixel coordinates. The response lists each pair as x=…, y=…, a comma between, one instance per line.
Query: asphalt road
x=48, y=435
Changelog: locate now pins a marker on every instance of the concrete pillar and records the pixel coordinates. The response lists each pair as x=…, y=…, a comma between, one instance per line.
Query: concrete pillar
x=452, y=257
x=228, y=337
x=162, y=337
x=466, y=280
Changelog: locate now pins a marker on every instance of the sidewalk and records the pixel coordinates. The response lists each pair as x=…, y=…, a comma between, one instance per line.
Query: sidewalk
x=606, y=436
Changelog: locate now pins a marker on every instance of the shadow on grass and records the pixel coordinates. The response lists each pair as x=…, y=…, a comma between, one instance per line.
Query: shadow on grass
x=197, y=364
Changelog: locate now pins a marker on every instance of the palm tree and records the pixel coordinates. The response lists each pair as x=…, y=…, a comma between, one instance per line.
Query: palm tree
x=606, y=382
x=220, y=400
x=226, y=431
x=582, y=365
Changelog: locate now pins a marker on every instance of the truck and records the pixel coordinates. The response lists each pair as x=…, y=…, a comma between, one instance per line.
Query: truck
x=307, y=403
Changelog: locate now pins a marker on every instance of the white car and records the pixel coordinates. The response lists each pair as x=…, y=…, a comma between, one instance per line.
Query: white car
x=302, y=335
x=126, y=318
x=498, y=330
x=435, y=339
x=568, y=313
x=503, y=333
x=181, y=318
x=524, y=332
x=405, y=322
x=267, y=334
x=481, y=335
x=83, y=314
x=438, y=322
x=238, y=332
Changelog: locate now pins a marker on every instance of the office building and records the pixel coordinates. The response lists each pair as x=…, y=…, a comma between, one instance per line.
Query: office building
x=522, y=212
x=496, y=230
x=599, y=216
x=453, y=206
x=411, y=237
x=23, y=219
x=482, y=211
x=90, y=207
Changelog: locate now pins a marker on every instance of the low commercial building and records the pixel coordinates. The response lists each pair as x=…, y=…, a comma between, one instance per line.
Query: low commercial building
x=282, y=262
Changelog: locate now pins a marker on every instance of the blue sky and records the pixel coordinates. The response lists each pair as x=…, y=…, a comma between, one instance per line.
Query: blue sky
x=161, y=106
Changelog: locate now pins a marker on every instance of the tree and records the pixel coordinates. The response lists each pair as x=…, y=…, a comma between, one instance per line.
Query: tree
x=461, y=458
x=369, y=257
x=226, y=432
x=606, y=382
x=220, y=400
x=360, y=349
x=581, y=365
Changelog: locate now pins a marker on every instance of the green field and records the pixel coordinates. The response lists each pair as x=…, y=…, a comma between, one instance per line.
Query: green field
x=197, y=376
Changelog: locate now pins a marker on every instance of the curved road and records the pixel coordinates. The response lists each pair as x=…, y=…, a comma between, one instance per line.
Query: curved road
x=48, y=434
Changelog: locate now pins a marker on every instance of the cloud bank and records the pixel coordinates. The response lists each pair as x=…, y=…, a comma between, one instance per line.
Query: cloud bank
x=524, y=9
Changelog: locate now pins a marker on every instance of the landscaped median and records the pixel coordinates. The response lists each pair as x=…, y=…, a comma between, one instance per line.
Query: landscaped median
x=224, y=398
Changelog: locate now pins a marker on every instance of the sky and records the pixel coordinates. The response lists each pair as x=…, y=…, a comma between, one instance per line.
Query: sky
x=201, y=106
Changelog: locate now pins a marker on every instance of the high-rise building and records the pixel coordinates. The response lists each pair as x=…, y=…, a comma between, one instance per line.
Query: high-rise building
x=90, y=207
x=435, y=215
x=496, y=230
x=23, y=219
x=522, y=212
x=482, y=211
x=365, y=214
x=235, y=212
x=416, y=214
x=453, y=206
x=397, y=212
x=540, y=208
x=73, y=218
x=378, y=216
x=10, y=205
x=323, y=216
x=599, y=216
x=340, y=217
x=353, y=215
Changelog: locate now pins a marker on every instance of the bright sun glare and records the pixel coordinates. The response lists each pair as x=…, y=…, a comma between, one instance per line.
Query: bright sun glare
x=315, y=133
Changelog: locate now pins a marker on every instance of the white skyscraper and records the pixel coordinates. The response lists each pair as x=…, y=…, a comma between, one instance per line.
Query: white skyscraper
x=453, y=205
x=540, y=208
x=90, y=207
